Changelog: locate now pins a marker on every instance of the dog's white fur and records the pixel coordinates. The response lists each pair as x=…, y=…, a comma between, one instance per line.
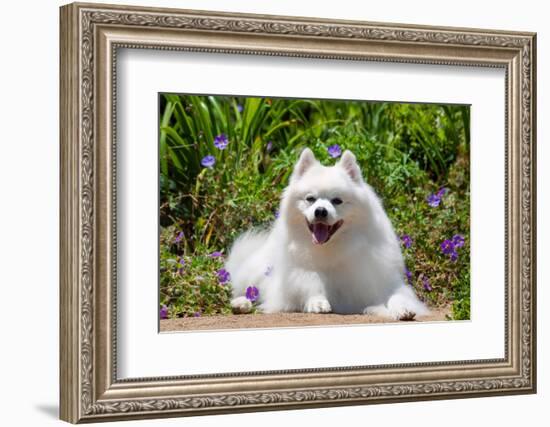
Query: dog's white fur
x=360, y=269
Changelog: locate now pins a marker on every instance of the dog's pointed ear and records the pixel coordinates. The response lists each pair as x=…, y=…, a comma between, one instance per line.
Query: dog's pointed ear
x=307, y=159
x=348, y=162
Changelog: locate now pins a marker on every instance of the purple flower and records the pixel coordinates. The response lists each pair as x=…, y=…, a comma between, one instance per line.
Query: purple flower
x=240, y=108
x=426, y=284
x=409, y=275
x=269, y=146
x=406, y=240
x=179, y=237
x=215, y=254
x=441, y=192
x=334, y=151
x=433, y=200
x=276, y=214
x=458, y=240
x=447, y=247
x=221, y=141
x=181, y=264
x=268, y=270
x=223, y=276
x=208, y=161
x=197, y=314
x=252, y=293
x=163, y=312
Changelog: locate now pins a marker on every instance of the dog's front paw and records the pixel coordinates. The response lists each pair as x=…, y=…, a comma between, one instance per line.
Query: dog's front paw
x=241, y=305
x=317, y=304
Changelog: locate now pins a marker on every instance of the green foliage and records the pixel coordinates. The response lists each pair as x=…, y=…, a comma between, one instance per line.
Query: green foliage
x=190, y=287
x=406, y=152
x=429, y=227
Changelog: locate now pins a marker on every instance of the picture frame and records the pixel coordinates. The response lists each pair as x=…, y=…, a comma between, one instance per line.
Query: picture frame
x=91, y=35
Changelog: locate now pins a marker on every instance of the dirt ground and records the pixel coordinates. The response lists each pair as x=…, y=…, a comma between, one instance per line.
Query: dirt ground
x=278, y=320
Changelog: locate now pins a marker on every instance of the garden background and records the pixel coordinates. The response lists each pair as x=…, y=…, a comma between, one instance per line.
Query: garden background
x=224, y=161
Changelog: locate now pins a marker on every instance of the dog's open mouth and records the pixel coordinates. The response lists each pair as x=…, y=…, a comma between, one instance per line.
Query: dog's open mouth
x=322, y=232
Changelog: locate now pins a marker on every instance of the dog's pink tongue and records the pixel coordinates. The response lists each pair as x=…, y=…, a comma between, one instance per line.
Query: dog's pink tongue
x=320, y=233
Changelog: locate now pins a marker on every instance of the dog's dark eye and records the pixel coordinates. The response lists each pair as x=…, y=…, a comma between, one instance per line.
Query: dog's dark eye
x=310, y=199
x=336, y=201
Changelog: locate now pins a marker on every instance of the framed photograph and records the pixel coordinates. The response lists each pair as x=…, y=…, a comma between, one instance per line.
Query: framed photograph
x=266, y=212
x=231, y=163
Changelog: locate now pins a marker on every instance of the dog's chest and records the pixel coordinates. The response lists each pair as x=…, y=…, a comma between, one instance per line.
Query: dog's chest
x=344, y=290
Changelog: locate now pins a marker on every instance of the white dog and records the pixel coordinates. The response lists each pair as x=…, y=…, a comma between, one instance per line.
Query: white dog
x=332, y=249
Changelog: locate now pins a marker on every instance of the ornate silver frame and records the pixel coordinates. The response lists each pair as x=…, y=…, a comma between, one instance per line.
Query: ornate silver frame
x=90, y=36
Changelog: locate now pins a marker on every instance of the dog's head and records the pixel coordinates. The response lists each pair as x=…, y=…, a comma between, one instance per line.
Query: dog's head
x=320, y=200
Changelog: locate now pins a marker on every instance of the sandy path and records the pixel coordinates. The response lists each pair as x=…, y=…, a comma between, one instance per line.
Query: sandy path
x=278, y=320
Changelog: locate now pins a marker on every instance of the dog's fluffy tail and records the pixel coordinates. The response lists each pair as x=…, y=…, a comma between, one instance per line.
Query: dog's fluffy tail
x=246, y=263
x=403, y=304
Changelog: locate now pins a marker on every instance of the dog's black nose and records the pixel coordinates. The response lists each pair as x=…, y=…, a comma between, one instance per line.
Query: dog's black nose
x=321, y=213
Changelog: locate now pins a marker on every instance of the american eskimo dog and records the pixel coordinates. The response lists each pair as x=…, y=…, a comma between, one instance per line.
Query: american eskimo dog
x=332, y=249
